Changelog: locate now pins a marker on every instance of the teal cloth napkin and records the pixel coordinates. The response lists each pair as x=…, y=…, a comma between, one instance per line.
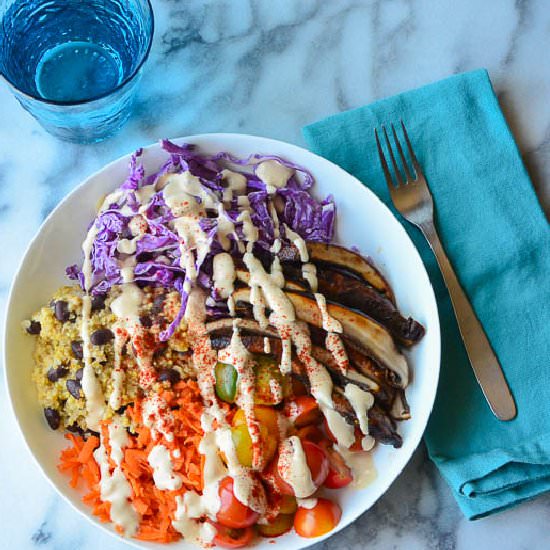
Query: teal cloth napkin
x=498, y=240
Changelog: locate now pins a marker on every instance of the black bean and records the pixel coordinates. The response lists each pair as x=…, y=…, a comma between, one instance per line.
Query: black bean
x=101, y=336
x=79, y=374
x=34, y=327
x=98, y=302
x=73, y=387
x=61, y=311
x=51, y=375
x=55, y=373
x=121, y=409
x=76, y=347
x=52, y=418
x=158, y=304
x=169, y=375
x=145, y=320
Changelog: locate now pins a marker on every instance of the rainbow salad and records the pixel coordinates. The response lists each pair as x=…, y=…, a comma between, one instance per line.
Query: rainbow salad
x=219, y=367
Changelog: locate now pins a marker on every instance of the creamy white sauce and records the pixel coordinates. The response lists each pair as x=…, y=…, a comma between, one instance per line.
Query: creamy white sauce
x=267, y=345
x=126, y=305
x=307, y=503
x=157, y=417
x=184, y=522
x=236, y=183
x=258, y=305
x=334, y=344
x=163, y=470
x=309, y=273
x=138, y=226
x=286, y=356
x=340, y=429
x=250, y=231
x=231, y=306
x=114, y=487
x=298, y=242
x=144, y=194
x=361, y=465
x=361, y=401
x=127, y=246
x=223, y=274
x=225, y=228
x=91, y=387
x=329, y=323
x=274, y=174
x=276, y=299
x=293, y=467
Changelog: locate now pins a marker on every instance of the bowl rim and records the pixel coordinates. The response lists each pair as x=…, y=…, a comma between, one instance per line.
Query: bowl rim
x=435, y=327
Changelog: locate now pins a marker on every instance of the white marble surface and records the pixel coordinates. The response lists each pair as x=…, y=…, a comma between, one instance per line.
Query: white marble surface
x=268, y=67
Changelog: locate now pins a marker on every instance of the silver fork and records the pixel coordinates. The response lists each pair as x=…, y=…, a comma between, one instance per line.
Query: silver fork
x=413, y=200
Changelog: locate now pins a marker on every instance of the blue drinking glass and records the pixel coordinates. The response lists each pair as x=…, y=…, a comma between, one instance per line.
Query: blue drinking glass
x=75, y=64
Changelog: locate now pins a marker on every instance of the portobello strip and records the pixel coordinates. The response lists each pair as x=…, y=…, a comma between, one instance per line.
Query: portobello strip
x=351, y=291
x=369, y=335
x=332, y=254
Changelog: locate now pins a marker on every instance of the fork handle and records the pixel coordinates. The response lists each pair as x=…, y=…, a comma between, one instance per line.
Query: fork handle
x=487, y=369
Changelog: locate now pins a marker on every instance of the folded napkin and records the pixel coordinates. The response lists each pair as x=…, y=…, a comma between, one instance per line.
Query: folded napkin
x=498, y=241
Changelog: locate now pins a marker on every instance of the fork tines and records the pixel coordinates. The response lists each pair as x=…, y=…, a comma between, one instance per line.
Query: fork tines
x=409, y=178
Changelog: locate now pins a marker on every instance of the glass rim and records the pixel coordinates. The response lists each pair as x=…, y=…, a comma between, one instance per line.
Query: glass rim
x=119, y=86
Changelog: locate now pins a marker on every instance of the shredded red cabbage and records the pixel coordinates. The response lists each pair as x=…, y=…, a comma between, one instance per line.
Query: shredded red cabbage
x=157, y=253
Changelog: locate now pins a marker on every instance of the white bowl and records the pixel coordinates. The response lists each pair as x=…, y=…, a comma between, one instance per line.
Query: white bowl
x=362, y=220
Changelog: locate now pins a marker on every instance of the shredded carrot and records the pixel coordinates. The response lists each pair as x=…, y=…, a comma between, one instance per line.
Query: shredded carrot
x=156, y=508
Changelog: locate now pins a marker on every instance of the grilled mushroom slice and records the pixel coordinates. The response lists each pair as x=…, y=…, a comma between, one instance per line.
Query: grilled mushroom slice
x=369, y=335
x=332, y=254
x=354, y=292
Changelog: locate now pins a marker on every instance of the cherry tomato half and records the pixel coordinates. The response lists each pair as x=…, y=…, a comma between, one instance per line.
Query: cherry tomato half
x=273, y=478
x=317, y=462
x=316, y=521
x=339, y=473
x=232, y=512
x=227, y=537
x=303, y=410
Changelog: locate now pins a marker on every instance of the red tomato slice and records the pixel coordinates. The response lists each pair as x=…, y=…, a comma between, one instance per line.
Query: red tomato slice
x=303, y=410
x=339, y=473
x=233, y=538
x=316, y=521
x=232, y=512
x=272, y=476
x=317, y=462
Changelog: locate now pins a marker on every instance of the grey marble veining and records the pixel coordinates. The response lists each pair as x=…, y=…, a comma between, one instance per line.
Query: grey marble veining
x=268, y=67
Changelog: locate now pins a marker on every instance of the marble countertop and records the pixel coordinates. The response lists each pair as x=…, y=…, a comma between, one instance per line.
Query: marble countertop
x=268, y=68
